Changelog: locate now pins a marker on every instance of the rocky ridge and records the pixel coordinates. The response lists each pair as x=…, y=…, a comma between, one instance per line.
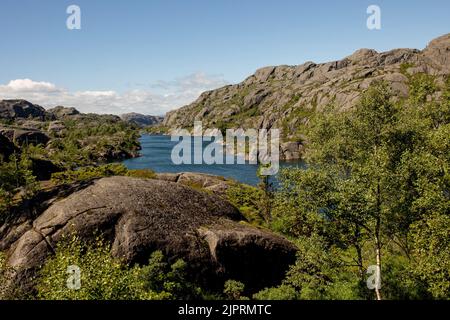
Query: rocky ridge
x=284, y=97
x=141, y=120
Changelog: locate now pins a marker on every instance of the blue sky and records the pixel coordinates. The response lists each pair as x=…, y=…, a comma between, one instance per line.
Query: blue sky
x=162, y=53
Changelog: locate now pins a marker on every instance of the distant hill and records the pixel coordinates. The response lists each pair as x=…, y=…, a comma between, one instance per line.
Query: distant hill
x=141, y=119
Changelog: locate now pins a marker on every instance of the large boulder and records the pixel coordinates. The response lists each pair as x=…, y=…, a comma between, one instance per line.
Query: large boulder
x=43, y=169
x=21, y=109
x=56, y=127
x=140, y=216
x=217, y=185
x=61, y=112
x=22, y=136
x=438, y=52
x=291, y=150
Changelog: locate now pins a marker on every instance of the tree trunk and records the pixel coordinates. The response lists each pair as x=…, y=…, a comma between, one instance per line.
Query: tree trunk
x=378, y=243
x=378, y=285
x=362, y=282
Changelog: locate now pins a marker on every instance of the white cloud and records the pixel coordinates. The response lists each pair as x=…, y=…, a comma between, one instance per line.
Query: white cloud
x=157, y=100
x=27, y=85
x=96, y=93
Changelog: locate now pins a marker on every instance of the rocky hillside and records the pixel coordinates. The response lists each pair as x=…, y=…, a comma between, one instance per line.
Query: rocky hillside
x=141, y=120
x=64, y=135
x=284, y=96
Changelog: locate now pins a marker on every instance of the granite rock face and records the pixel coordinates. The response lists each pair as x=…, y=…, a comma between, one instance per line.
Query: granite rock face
x=21, y=136
x=284, y=96
x=21, y=109
x=141, y=120
x=61, y=112
x=139, y=216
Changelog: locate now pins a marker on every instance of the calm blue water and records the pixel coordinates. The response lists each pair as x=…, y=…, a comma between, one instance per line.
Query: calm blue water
x=156, y=155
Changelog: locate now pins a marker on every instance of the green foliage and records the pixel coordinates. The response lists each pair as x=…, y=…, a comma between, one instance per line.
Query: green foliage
x=234, y=290
x=319, y=272
x=170, y=279
x=224, y=125
x=282, y=292
x=16, y=173
x=267, y=193
x=248, y=200
x=16, y=176
x=85, y=141
x=421, y=86
x=34, y=152
x=142, y=173
x=108, y=170
x=91, y=139
x=404, y=68
x=294, y=124
x=255, y=203
x=106, y=278
x=6, y=274
x=374, y=173
x=157, y=129
x=399, y=280
x=431, y=250
x=87, y=173
x=102, y=277
x=301, y=196
x=5, y=200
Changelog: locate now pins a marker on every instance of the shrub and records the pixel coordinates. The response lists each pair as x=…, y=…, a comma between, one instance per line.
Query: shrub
x=233, y=290
x=15, y=176
x=5, y=200
x=108, y=170
x=143, y=174
x=103, y=277
x=88, y=173
x=283, y=292
x=248, y=200
x=431, y=252
x=172, y=279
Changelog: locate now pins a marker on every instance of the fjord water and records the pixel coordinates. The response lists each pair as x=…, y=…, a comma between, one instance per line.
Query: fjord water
x=156, y=155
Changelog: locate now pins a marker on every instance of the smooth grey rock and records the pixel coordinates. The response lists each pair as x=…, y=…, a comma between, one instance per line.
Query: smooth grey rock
x=21, y=109
x=139, y=216
x=61, y=112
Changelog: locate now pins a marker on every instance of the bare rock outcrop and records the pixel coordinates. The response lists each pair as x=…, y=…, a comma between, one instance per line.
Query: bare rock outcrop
x=61, y=112
x=21, y=109
x=141, y=120
x=284, y=97
x=21, y=136
x=139, y=216
x=217, y=185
